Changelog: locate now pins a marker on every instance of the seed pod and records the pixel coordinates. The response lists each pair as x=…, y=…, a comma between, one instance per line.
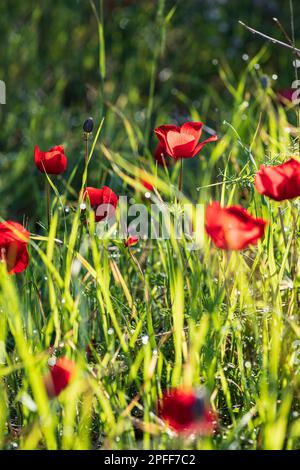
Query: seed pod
x=265, y=82
x=88, y=125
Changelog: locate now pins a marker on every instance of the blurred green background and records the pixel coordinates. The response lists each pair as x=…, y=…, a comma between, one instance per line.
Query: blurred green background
x=49, y=60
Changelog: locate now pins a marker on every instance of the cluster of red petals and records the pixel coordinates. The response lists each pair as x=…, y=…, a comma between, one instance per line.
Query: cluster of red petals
x=181, y=141
x=279, y=182
x=186, y=412
x=101, y=197
x=131, y=241
x=14, y=246
x=59, y=377
x=53, y=162
x=286, y=95
x=232, y=228
x=147, y=185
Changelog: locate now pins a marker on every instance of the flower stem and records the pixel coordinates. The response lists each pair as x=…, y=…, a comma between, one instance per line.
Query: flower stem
x=86, y=140
x=48, y=202
x=282, y=227
x=180, y=182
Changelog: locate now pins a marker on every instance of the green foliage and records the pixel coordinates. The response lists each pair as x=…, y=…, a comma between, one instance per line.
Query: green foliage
x=157, y=316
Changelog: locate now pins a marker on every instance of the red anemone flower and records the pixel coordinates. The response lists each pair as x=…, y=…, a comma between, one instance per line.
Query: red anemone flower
x=186, y=412
x=59, y=377
x=131, y=241
x=279, y=182
x=13, y=246
x=147, y=185
x=53, y=162
x=103, y=201
x=182, y=141
x=232, y=228
x=287, y=95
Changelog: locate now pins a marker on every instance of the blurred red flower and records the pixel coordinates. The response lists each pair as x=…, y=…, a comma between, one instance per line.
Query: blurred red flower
x=101, y=197
x=279, y=182
x=232, y=228
x=53, y=162
x=13, y=246
x=131, y=241
x=286, y=95
x=182, y=141
x=186, y=412
x=147, y=185
x=59, y=377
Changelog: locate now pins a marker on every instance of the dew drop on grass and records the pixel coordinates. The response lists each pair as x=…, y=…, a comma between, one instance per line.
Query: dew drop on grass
x=165, y=74
x=28, y=402
x=145, y=339
x=52, y=361
x=123, y=22
x=110, y=331
x=2, y=352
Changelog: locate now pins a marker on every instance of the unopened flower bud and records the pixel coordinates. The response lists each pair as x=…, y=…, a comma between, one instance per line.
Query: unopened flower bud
x=88, y=125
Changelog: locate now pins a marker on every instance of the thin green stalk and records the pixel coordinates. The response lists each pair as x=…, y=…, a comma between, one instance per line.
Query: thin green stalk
x=48, y=202
x=180, y=182
x=160, y=27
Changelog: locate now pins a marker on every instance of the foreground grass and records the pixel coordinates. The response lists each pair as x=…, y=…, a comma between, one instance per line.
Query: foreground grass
x=159, y=315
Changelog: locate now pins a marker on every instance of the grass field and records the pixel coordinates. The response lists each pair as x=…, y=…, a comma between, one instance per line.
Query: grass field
x=140, y=320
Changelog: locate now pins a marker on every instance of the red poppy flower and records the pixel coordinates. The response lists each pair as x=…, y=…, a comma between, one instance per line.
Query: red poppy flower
x=279, y=182
x=13, y=246
x=104, y=198
x=186, y=412
x=286, y=95
x=131, y=241
x=53, y=162
x=232, y=228
x=147, y=185
x=59, y=377
x=182, y=141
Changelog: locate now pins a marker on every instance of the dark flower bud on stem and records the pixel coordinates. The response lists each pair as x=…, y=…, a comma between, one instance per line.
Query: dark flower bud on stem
x=265, y=82
x=88, y=125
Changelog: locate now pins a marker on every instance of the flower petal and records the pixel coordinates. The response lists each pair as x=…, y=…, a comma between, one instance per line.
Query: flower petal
x=162, y=132
x=192, y=128
x=199, y=147
x=181, y=145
